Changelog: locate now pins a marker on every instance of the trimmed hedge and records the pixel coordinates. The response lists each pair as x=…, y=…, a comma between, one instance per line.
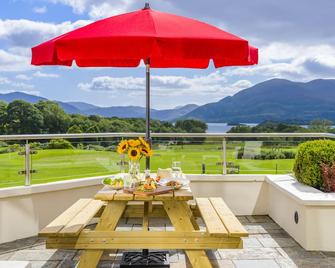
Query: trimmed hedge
x=309, y=157
x=59, y=144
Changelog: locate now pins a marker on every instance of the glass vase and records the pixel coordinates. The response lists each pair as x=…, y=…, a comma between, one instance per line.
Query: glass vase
x=134, y=172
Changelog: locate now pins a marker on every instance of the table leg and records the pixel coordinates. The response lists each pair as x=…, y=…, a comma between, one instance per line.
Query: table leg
x=181, y=218
x=108, y=222
x=146, y=216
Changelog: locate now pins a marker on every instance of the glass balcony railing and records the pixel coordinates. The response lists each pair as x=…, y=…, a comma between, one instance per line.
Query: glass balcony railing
x=35, y=159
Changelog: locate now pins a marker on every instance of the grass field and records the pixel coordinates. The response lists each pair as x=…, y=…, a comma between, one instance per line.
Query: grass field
x=64, y=164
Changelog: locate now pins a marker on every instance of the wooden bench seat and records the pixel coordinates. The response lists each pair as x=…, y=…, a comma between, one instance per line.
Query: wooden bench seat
x=219, y=219
x=73, y=220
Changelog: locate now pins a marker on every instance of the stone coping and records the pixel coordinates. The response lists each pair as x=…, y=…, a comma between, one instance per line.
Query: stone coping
x=287, y=184
x=92, y=181
x=303, y=194
x=226, y=178
x=51, y=186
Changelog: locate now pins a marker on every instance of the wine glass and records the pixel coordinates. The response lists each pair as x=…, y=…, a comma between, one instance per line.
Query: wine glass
x=176, y=169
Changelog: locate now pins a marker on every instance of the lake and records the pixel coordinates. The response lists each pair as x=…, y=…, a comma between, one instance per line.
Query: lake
x=224, y=127
x=221, y=127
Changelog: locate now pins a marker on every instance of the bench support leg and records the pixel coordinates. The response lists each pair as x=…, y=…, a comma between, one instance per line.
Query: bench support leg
x=181, y=218
x=108, y=222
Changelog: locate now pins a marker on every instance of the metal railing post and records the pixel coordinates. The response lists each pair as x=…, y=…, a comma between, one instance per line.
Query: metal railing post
x=224, y=156
x=27, y=164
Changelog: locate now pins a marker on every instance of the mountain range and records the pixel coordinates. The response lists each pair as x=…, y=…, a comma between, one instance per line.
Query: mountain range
x=275, y=99
x=117, y=111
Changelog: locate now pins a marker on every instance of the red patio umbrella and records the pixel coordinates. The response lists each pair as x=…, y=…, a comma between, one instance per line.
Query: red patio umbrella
x=161, y=40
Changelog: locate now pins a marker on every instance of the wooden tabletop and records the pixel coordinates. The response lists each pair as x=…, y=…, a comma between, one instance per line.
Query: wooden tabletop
x=107, y=194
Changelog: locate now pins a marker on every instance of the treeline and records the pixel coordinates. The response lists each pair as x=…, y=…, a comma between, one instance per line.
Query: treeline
x=47, y=117
x=318, y=125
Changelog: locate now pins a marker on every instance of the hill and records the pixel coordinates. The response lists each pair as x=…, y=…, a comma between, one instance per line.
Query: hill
x=276, y=100
x=114, y=111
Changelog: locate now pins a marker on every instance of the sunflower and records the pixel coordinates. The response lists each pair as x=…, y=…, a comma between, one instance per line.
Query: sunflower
x=134, y=143
x=144, y=142
x=146, y=151
x=122, y=147
x=134, y=153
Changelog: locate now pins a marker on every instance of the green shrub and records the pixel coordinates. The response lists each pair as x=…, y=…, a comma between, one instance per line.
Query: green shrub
x=309, y=157
x=59, y=144
x=95, y=147
x=3, y=144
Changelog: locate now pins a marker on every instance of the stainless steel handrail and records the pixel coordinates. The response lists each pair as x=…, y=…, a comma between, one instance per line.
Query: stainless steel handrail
x=164, y=135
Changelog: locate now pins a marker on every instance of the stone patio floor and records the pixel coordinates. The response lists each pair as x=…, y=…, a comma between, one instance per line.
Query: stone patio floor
x=268, y=246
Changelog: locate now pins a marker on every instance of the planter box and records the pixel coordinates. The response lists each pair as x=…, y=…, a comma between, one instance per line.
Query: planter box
x=306, y=213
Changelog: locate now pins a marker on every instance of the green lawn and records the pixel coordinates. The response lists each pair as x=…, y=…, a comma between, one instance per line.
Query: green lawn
x=54, y=165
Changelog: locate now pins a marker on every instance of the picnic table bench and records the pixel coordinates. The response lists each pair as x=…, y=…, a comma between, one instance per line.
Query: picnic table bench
x=223, y=230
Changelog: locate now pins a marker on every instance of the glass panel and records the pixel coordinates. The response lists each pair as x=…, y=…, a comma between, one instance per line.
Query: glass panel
x=62, y=160
x=196, y=156
x=11, y=163
x=261, y=156
x=82, y=158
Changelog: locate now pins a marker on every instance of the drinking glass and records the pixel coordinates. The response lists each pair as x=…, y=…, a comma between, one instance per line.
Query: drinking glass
x=176, y=169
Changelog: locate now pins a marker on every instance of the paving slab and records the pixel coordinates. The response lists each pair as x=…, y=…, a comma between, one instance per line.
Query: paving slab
x=268, y=245
x=251, y=242
x=6, y=256
x=256, y=264
x=270, y=242
x=42, y=255
x=45, y=264
x=249, y=253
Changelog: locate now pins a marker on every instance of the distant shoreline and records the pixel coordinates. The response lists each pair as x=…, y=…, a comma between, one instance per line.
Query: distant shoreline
x=225, y=127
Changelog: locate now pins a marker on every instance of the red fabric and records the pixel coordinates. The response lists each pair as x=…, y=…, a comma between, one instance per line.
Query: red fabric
x=167, y=40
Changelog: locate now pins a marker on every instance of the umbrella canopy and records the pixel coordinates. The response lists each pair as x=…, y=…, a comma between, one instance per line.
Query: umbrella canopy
x=161, y=40
x=167, y=40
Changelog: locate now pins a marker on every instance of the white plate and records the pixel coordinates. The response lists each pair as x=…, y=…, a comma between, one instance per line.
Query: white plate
x=163, y=182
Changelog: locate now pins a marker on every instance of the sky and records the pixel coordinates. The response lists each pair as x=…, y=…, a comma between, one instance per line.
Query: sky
x=296, y=41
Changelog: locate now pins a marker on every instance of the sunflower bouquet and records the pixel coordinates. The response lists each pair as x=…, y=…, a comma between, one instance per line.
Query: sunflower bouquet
x=135, y=148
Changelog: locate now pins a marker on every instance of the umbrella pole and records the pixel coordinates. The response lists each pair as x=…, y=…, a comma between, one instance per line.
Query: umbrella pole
x=147, y=91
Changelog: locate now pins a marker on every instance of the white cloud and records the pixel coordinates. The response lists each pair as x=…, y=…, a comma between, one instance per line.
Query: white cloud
x=283, y=60
x=19, y=85
x=4, y=81
x=45, y=75
x=10, y=62
x=23, y=77
x=22, y=85
x=211, y=85
x=97, y=8
x=40, y=10
x=21, y=35
x=27, y=33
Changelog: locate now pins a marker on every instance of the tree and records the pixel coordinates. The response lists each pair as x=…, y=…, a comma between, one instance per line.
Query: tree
x=54, y=117
x=272, y=126
x=74, y=130
x=320, y=125
x=23, y=118
x=240, y=129
x=191, y=126
x=3, y=115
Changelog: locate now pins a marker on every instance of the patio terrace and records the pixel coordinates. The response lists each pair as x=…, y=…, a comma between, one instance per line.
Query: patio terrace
x=265, y=204
x=268, y=246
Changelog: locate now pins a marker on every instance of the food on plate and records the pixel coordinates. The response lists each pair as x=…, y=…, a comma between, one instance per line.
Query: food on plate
x=107, y=181
x=158, y=178
x=149, y=185
x=174, y=184
x=164, y=173
x=114, y=183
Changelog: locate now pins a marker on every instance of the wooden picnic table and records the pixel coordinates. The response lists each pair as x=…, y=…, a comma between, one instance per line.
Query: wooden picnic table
x=223, y=230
